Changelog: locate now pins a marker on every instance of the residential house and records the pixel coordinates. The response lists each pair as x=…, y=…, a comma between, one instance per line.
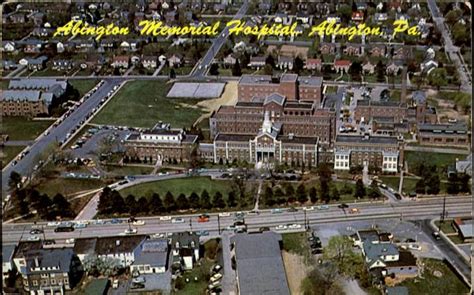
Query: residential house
x=8, y=65
x=229, y=60
x=394, y=67
x=153, y=257
x=327, y=48
x=51, y=270
x=42, y=32
x=464, y=166
x=106, y=45
x=123, y=248
x=353, y=50
x=81, y=45
x=463, y=227
x=185, y=249
x=404, y=267
x=427, y=66
x=357, y=16
x=7, y=260
x=285, y=62
x=342, y=65
x=121, y=61
x=313, y=64
x=19, y=257
x=130, y=45
x=32, y=46
x=259, y=264
x=378, y=50
x=294, y=51
x=150, y=62
x=380, y=17
x=257, y=62
x=282, y=18
x=175, y=60
x=402, y=52
x=368, y=68
x=378, y=254
x=63, y=65
x=39, y=18
x=8, y=46
x=34, y=64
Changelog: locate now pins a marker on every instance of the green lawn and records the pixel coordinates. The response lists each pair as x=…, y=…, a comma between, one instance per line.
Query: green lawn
x=447, y=283
x=196, y=287
x=144, y=103
x=66, y=186
x=10, y=152
x=22, y=128
x=83, y=86
x=128, y=170
x=446, y=227
x=4, y=84
x=438, y=159
x=409, y=184
x=295, y=243
x=178, y=186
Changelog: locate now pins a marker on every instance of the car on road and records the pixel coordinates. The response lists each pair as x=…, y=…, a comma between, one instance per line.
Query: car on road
x=277, y=211
x=130, y=231
x=292, y=209
x=116, y=221
x=294, y=226
x=239, y=214
x=177, y=220
x=230, y=228
x=322, y=207
x=138, y=222
x=414, y=247
x=354, y=211
x=203, y=218
x=310, y=208
x=79, y=225
x=98, y=221
x=216, y=277
x=254, y=212
x=281, y=227
x=36, y=231
x=158, y=236
x=33, y=238
x=224, y=214
x=202, y=233
x=264, y=228
x=410, y=240
x=70, y=241
x=436, y=235
x=383, y=185
x=64, y=228
x=165, y=218
x=397, y=196
x=343, y=206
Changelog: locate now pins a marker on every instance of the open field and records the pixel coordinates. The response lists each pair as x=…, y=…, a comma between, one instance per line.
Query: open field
x=66, y=186
x=409, y=184
x=9, y=153
x=83, y=86
x=22, y=128
x=144, y=103
x=127, y=170
x=445, y=283
x=438, y=159
x=177, y=186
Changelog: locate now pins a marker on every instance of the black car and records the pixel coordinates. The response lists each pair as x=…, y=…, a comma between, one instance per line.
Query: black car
x=36, y=231
x=292, y=209
x=397, y=196
x=343, y=206
x=265, y=228
x=410, y=241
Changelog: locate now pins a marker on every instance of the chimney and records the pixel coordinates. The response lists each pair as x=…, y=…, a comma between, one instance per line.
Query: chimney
x=36, y=261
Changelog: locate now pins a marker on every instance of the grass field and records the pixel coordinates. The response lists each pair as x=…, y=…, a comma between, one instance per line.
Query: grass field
x=438, y=159
x=83, y=86
x=295, y=243
x=447, y=283
x=144, y=103
x=446, y=227
x=128, y=170
x=10, y=152
x=178, y=186
x=21, y=128
x=409, y=184
x=67, y=186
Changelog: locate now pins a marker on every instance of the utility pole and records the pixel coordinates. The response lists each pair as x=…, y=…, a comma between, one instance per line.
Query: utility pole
x=443, y=215
x=305, y=221
x=190, y=224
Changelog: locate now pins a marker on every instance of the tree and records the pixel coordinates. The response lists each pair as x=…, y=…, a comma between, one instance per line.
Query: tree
x=131, y=204
x=104, y=200
x=205, y=200
x=324, y=190
x=218, y=201
x=236, y=70
x=270, y=60
x=14, y=181
x=420, y=186
x=313, y=195
x=156, y=204
x=182, y=202
x=268, y=196
x=374, y=190
x=142, y=205
x=279, y=196
x=359, y=189
x=172, y=74
x=355, y=70
x=301, y=193
x=336, y=196
x=298, y=64
x=117, y=204
x=289, y=190
x=61, y=204
x=460, y=34
x=345, y=11
x=194, y=201
x=380, y=69
x=453, y=16
x=453, y=185
x=214, y=70
x=339, y=248
x=231, y=202
x=169, y=202
x=433, y=184
x=346, y=189
x=438, y=77
x=42, y=205
x=464, y=183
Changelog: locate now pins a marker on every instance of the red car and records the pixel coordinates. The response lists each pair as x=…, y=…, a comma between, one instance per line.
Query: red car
x=203, y=218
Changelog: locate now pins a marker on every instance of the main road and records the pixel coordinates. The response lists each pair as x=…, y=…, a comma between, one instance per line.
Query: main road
x=57, y=134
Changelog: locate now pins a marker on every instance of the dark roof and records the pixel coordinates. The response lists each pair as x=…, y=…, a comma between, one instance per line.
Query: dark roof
x=7, y=252
x=369, y=139
x=444, y=128
x=259, y=264
x=85, y=246
x=185, y=240
x=300, y=140
x=234, y=137
x=275, y=97
x=387, y=103
x=249, y=104
x=405, y=258
x=25, y=246
x=115, y=245
x=97, y=287
x=49, y=258
x=298, y=105
x=368, y=235
x=153, y=252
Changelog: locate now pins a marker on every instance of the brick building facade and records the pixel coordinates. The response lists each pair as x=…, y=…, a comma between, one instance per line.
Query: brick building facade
x=443, y=134
x=367, y=109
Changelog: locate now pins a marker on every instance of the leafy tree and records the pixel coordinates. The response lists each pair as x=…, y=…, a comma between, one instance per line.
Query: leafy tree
x=460, y=34
x=374, y=190
x=156, y=204
x=453, y=16
x=345, y=12
x=268, y=70
x=355, y=70
x=194, y=201
x=336, y=196
x=131, y=204
x=169, y=202
x=465, y=187
x=42, y=205
x=313, y=195
x=279, y=196
x=380, y=69
x=231, y=202
x=236, y=70
x=433, y=184
x=205, y=200
x=14, y=181
x=298, y=64
x=453, y=185
x=104, y=201
x=172, y=73
x=142, y=205
x=420, y=186
x=438, y=77
x=61, y=204
x=270, y=60
x=117, y=204
x=268, y=196
x=182, y=202
x=289, y=190
x=359, y=189
x=301, y=193
x=324, y=190
x=338, y=250
x=218, y=200
x=346, y=189
x=214, y=70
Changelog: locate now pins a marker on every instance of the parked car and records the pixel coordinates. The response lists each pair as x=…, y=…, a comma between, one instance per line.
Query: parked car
x=165, y=218
x=36, y=231
x=310, y=208
x=130, y=231
x=177, y=220
x=277, y=211
x=436, y=235
x=138, y=222
x=322, y=207
x=224, y=214
x=292, y=209
x=354, y=211
x=343, y=206
x=203, y=218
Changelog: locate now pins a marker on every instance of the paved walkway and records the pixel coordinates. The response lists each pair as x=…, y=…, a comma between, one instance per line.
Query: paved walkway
x=228, y=280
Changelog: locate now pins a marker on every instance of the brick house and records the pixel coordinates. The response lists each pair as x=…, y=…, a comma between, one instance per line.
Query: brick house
x=342, y=65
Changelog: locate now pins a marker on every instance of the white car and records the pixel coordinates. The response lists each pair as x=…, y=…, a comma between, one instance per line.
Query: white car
x=281, y=227
x=53, y=223
x=311, y=208
x=139, y=222
x=70, y=241
x=177, y=220
x=130, y=231
x=165, y=218
x=224, y=214
x=33, y=238
x=157, y=236
x=294, y=226
x=414, y=247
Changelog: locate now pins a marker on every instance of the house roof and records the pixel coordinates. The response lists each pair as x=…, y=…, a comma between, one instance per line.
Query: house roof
x=121, y=58
x=307, y=81
x=313, y=61
x=85, y=246
x=49, y=258
x=153, y=252
x=234, y=137
x=369, y=140
x=405, y=258
x=120, y=244
x=97, y=287
x=185, y=240
x=443, y=128
x=25, y=246
x=275, y=97
x=28, y=83
x=342, y=63
x=259, y=264
x=7, y=252
x=376, y=251
x=419, y=97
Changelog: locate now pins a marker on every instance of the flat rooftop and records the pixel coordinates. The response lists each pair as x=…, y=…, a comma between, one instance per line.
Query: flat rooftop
x=196, y=90
x=367, y=140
